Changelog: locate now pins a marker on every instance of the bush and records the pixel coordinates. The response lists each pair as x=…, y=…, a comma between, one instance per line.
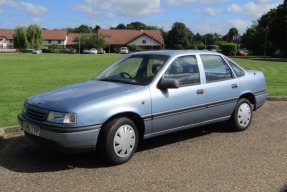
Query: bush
x=46, y=51
x=280, y=53
x=27, y=50
x=210, y=47
x=200, y=46
x=229, y=49
x=179, y=47
x=133, y=47
x=193, y=46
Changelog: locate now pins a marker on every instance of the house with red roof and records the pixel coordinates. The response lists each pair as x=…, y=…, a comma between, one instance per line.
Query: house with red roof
x=55, y=37
x=115, y=38
x=58, y=37
x=143, y=39
x=7, y=38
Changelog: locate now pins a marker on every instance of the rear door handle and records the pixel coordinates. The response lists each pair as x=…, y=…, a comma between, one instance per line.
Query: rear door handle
x=200, y=92
x=234, y=86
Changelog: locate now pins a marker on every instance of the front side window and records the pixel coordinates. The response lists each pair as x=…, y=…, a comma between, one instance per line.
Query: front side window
x=185, y=70
x=216, y=69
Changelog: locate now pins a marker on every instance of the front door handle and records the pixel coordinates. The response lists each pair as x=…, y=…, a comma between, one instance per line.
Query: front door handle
x=200, y=92
x=234, y=86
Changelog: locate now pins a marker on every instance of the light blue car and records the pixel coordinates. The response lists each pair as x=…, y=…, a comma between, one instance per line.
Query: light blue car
x=143, y=95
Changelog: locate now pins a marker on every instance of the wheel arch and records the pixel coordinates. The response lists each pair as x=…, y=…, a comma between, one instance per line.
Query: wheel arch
x=138, y=121
x=250, y=97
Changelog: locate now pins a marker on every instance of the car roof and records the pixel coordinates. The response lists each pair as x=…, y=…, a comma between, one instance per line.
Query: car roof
x=175, y=52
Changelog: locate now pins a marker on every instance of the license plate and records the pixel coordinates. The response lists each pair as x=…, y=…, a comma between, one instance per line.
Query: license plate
x=33, y=129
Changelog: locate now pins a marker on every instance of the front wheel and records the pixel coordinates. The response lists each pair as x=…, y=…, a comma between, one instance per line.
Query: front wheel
x=118, y=141
x=242, y=115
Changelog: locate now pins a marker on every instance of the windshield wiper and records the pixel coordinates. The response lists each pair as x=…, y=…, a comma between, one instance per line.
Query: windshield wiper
x=118, y=81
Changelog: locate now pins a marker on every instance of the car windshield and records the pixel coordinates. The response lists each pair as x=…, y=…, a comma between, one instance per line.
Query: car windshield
x=135, y=69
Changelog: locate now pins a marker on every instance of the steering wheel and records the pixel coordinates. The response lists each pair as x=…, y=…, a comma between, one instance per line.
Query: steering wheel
x=126, y=75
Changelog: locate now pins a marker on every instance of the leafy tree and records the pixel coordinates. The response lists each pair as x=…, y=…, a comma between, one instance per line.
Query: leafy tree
x=83, y=29
x=88, y=41
x=209, y=39
x=252, y=39
x=179, y=36
x=120, y=26
x=232, y=35
x=198, y=39
x=269, y=33
x=136, y=25
x=20, y=38
x=97, y=28
x=274, y=24
x=35, y=36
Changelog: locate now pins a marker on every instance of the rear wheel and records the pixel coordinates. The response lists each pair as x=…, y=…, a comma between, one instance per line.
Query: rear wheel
x=118, y=140
x=242, y=115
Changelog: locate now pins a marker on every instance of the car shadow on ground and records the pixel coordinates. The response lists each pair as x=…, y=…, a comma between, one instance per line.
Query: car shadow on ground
x=21, y=155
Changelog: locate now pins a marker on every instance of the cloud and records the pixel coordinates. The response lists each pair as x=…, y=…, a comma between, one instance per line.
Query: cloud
x=129, y=8
x=234, y=8
x=183, y=2
x=257, y=10
x=252, y=9
x=262, y=1
x=26, y=7
x=110, y=16
x=213, y=12
x=29, y=7
x=239, y=24
x=36, y=20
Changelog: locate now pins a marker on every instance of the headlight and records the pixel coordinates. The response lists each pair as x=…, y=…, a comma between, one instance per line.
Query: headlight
x=58, y=117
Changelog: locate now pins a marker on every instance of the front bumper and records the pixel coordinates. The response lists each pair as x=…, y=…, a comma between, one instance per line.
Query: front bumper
x=64, y=138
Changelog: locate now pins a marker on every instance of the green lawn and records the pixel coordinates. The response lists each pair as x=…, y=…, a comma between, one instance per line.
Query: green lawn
x=23, y=75
x=275, y=71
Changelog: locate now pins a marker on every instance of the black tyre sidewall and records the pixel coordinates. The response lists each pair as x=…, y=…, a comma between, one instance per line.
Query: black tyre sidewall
x=234, y=120
x=107, y=140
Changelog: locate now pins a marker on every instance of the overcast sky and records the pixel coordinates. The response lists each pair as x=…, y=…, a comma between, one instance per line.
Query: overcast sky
x=202, y=16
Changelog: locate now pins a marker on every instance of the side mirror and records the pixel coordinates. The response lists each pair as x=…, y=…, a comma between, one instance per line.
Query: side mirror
x=166, y=83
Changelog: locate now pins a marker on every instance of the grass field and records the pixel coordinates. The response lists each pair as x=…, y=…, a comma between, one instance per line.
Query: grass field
x=23, y=75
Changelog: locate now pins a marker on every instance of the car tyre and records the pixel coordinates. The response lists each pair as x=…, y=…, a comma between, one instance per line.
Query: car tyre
x=118, y=141
x=242, y=115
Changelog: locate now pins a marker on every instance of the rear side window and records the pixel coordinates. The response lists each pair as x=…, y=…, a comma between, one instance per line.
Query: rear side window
x=185, y=70
x=237, y=70
x=216, y=69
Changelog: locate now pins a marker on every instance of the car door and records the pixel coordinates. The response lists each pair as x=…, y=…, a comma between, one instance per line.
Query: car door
x=221, y=88
x=179, y=108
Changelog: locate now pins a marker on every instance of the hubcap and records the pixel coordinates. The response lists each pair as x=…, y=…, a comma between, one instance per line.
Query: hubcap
x=244, y=115
x=124, y=141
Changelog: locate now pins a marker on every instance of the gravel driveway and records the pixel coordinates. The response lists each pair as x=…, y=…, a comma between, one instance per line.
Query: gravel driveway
x=202, y=159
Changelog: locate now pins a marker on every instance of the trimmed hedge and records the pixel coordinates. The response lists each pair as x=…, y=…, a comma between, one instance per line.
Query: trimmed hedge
x=27, y=50
x=210, y=47
x=193, y=46
x=200, y=46
x=229, y=49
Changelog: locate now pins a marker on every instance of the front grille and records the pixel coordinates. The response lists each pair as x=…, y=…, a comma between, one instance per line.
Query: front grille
x=36, y=113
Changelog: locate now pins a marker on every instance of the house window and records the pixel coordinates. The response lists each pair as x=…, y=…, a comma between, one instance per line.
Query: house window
x=50, y=42
x=59, y=42
x=144, y=41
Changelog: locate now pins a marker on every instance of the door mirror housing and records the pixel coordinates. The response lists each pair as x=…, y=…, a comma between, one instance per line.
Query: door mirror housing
x=166, y=83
